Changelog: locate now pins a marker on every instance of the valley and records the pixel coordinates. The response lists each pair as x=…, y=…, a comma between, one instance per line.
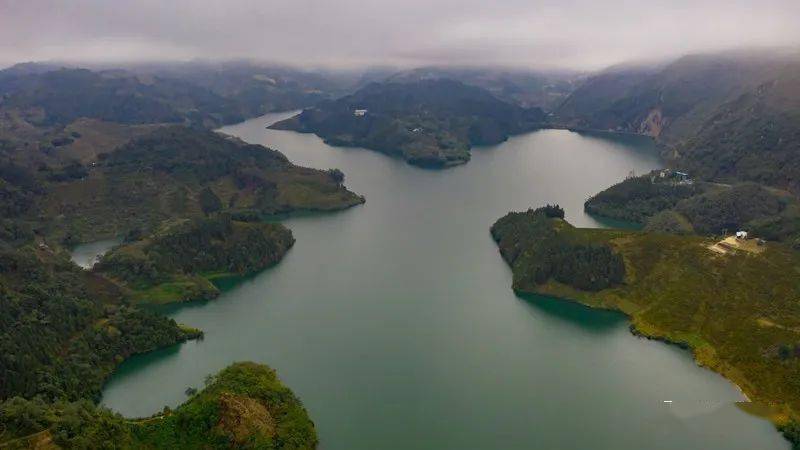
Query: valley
x=246, y=243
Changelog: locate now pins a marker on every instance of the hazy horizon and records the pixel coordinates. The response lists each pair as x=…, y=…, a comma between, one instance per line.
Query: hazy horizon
x=545, y=34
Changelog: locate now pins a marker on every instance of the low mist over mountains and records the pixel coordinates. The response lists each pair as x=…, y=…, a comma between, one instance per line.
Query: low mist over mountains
x=717, y=115
x=202, y=94
x=722, y=116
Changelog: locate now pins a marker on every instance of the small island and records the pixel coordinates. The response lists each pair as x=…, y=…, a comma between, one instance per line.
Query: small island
x=429, y=123
x=736, y=310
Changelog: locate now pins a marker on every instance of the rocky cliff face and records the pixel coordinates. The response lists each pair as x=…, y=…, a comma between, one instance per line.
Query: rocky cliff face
x=653, y=124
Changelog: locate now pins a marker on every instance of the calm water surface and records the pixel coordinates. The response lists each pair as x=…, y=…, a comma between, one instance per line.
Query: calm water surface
x=87, y=255
x=396, y=325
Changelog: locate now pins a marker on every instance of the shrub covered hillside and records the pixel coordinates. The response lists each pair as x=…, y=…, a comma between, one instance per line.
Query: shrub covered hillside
x=540, y=246
x=742, y=206
x=182, y=172
x=637, y=199
x=427, y=122
x=724, y=117
x=702, y=208
x=178, y=261
x=755, y=137
x=244, y=406
x=737, y=311
x=63, y=330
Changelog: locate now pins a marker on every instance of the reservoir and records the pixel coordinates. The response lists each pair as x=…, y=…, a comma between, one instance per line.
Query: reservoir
x=396, y=325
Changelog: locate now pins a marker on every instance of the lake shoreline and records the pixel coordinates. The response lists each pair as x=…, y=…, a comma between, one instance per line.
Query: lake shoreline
x=383, y=280
x=778, y=418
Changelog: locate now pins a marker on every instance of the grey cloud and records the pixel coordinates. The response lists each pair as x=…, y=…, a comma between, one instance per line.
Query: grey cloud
x=345, y=33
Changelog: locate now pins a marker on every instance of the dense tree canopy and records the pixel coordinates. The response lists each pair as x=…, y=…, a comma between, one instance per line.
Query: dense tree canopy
x=427, y=122
x=62, y=330
x=638, y=198
x=540, y=247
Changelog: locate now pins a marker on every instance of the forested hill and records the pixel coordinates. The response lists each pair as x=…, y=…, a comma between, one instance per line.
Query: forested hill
x=723, y=117
x=669, y=101
x=244, y=406
x=171, y=172
x=427, y=122
x=541, y=247
x=179, y=261
x=64, y=95
x=755, y=137
x=63, y=330
x=202, y=95
x=703, y=208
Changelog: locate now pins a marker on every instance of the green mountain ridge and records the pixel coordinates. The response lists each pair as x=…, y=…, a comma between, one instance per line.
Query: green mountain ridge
x=724, y=117
x=430, y=123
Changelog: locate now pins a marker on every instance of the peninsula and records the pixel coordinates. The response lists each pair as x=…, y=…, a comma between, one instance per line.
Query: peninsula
x=735, y=309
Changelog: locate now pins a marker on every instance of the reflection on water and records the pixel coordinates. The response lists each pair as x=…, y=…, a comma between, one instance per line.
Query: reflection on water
x=587, y=319
x=87, y=255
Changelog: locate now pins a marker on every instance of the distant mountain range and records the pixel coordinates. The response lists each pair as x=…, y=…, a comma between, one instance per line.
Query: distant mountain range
x=529, y=89
x=206, y=95
x=726, y=117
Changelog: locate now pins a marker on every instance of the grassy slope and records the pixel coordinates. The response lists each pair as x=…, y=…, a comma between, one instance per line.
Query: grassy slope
x=160, y=176
x=734, y=311
x=93, y=137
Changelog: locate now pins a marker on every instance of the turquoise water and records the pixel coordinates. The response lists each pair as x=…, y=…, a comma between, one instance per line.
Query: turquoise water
x=396, y=325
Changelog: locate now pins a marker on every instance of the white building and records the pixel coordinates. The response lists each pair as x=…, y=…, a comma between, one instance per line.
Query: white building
x=359, y=112
x=741, y=235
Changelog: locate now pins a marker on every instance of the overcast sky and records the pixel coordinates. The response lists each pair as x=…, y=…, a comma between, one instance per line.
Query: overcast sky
x=582, y=34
